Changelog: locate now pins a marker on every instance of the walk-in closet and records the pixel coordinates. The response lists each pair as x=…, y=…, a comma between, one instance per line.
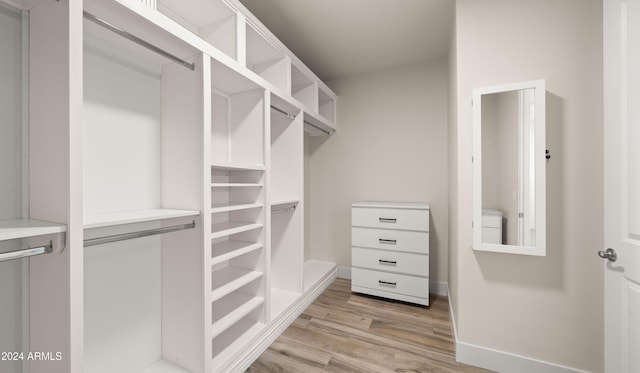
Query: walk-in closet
x=153, y=217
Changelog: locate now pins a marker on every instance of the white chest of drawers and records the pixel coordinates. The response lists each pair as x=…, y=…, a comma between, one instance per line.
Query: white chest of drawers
x=390, y=250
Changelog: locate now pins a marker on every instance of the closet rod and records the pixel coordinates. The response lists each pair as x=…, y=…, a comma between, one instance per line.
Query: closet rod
x=132, y=235
x=137, y=40
x=280, y=211
x=291, y=116
x=305, y=121
x=23, y=253
x=318, y=128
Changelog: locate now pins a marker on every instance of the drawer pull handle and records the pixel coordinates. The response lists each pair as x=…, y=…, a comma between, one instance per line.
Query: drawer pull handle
x=387, y=241
x=388, y=220
x=387, y=283
x=390, y=262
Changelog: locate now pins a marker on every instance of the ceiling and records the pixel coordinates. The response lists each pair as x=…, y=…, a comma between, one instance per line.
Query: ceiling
x=340, y=38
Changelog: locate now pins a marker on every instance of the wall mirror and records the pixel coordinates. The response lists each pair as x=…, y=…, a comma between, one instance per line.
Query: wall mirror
x=509, y=162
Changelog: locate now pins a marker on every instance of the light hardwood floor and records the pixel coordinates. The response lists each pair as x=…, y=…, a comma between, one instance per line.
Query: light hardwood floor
x=345, y=332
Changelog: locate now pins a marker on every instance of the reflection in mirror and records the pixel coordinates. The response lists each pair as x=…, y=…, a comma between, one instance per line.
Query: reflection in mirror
x=508, y=194
x=509, y=159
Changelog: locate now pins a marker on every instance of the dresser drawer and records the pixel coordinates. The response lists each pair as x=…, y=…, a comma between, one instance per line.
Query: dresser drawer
x=390, y=218
x=387, y=239
x=390, y=282
x=385, y=260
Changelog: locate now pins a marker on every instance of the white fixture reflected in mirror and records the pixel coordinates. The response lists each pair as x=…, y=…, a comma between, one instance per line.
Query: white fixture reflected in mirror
x=509, y=159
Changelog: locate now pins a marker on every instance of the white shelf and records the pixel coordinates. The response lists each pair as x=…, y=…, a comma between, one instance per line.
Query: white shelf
x=229, y=279
x=163, y=366
x=235, y=307
x=24, y=228
x=284, y=203
x=281, y=300
x=226, y=207
x=315, y=271
x=250, y=329
x=131, y=217
x=236, y=185
x=230, y=249
x=231, y=227
x=238, y=167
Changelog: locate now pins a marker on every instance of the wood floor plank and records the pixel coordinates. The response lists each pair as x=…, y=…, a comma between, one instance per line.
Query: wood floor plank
x=346, y=332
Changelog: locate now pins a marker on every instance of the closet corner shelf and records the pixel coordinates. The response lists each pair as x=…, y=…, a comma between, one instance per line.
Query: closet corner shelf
x=25, y=228
x=131, y=217
x=238, y=166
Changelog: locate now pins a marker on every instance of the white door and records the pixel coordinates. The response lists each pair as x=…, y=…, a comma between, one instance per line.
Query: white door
x=622, y=185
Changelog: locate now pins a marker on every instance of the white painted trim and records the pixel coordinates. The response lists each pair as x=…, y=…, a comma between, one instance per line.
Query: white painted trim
x=499, y=361
x=344, y=272
x=438, y=288
x=453, y=321
x=435, y=287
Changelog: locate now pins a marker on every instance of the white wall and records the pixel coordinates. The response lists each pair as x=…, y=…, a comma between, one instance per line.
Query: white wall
x=549, y=308
x=391, y=146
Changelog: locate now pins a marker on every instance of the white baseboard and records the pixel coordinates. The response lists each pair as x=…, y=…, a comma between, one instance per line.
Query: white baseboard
x=500, y=361
x=344, y=272
x=439, y=288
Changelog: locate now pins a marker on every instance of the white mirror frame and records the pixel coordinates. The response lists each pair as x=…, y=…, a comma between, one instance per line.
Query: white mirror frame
x=540, y=249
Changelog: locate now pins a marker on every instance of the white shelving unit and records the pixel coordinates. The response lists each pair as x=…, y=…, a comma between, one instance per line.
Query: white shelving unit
x=143, y=169
x=304, y=89
x=266, y=60
x=238, y=184
x=286, y=195
x=121, y=140
x=327, y=105
x=213, y=21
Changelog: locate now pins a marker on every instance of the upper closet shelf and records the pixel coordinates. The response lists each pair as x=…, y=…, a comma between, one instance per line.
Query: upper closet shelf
x=186, y=27
x=131, y=217
x=237, y=166
x=25, y=228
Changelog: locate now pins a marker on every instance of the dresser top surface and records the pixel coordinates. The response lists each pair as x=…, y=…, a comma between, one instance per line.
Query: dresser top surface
x=392, y=205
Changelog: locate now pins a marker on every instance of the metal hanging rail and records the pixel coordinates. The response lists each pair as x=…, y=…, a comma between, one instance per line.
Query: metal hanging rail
x=318, y=128
x=23, y=253
x=291, y=206
x=283, y=210
x=289, y=115
x=137, y=40
x=132, y=235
